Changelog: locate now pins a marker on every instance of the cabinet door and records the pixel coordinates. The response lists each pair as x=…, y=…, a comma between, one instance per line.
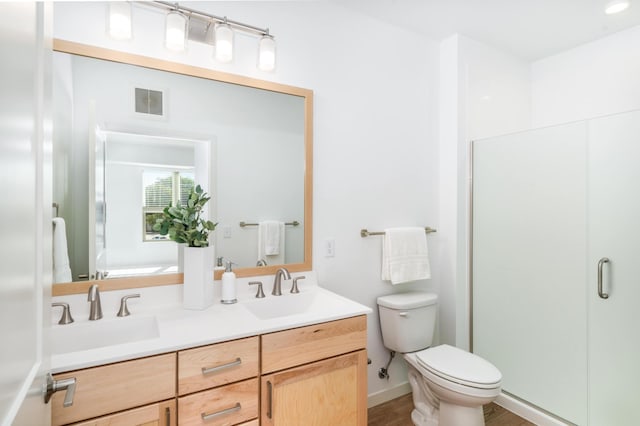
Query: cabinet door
x=614, y=234
x=160, y=414
x=116, y=387
x=330, y=392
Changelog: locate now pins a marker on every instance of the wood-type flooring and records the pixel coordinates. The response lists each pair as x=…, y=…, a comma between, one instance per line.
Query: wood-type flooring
x=397, y=412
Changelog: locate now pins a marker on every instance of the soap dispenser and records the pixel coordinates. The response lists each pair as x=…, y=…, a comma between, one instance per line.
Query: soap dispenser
x=229, y=285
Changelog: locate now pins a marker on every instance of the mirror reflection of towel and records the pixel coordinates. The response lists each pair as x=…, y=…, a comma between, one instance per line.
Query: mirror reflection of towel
x=271, y=241
x=61, y=269
x=405, y=256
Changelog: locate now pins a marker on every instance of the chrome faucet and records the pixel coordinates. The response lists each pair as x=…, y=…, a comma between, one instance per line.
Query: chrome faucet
x=95, y=312
x=277, y=282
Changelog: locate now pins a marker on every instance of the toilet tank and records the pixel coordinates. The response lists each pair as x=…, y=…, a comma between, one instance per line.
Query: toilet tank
x=407, y=320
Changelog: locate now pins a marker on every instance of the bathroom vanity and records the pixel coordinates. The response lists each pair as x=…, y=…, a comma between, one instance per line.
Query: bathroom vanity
x=245, y=364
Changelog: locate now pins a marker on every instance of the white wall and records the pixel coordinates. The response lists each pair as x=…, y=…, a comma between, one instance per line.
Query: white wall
x=482, y=92
x=592, y=80
x=375, y=141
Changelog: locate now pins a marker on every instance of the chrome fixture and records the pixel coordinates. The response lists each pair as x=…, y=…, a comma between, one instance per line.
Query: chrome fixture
x=277, y=282
x=601, y=263
x=259, y=293
x=261, y=262
x=183, y=24
x=66, y=317
x=366, y=233
x=294, y=287
x=53, y=386
x=95, y=310
x=124, y=309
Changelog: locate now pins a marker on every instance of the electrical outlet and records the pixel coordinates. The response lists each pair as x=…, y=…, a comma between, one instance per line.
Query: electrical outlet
x=329, y=247
x=226, y=232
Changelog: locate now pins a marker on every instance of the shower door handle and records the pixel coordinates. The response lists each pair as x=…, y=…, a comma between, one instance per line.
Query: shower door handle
x=601, y=263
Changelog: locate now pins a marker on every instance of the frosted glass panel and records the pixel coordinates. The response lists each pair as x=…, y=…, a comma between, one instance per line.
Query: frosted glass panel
x=614, y=232
x=529, y=245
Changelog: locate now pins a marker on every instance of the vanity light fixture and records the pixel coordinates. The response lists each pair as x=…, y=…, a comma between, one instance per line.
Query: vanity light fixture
x=224, y=42
x=184, y=23
x=616, y=6
x=267, y=53
x=175, y=37
x=119, y=24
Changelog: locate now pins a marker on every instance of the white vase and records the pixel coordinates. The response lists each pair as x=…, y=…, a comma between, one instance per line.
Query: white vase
x=198, y=277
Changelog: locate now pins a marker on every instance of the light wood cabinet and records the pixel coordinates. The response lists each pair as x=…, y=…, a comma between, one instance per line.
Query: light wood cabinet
x=315, y=375
x=310, y=375
x=116, y=387
x=160, y=414
x=226, y=405
x=217, y=373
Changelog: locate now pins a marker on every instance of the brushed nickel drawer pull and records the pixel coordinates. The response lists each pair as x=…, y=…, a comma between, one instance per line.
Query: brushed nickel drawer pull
x=212, y=416
x=269, y=399
x=601, y=293
x=167, y=416
x=215, y=369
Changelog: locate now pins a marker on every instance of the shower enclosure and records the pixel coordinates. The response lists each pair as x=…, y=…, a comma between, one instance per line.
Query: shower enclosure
x=556, y=266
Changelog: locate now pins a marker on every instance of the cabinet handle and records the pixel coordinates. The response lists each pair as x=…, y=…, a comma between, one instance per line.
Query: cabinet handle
x=269, y=398
x=210, y=416
x=215, y=369
x=53, y=386
x=601, y=262
x=167, y=416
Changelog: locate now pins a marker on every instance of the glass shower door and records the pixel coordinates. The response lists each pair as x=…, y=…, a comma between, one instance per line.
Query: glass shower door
x=613, y=233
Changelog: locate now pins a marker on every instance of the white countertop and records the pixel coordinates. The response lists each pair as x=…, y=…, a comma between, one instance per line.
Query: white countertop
x=178, y=328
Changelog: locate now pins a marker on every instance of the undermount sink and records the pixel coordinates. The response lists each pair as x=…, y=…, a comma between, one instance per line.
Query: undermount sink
x=101, y=333
x=281, y=306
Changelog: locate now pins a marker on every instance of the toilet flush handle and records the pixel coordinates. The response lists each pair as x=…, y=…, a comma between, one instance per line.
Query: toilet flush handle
x=404, y=314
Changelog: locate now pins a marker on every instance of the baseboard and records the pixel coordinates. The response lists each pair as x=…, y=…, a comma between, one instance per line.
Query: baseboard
x=528, y=412
x=388, y=394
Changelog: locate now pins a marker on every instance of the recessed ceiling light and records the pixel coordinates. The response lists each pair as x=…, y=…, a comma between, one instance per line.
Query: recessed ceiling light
x=616, y=6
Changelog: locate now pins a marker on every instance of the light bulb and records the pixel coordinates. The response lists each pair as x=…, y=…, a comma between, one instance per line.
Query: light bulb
x=616, y=6
x=267, y=53
x=119, y=25
x=224, y=43
x=176, y=31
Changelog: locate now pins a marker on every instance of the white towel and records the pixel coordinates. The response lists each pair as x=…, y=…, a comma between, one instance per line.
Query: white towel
x=405, y=256
x=61, y=269
x=271, y=242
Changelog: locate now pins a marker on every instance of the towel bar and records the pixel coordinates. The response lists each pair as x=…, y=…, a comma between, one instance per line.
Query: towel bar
x=366, y=233
x=243, y=224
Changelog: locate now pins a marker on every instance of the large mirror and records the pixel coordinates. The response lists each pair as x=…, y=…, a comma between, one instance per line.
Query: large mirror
x=132, y=134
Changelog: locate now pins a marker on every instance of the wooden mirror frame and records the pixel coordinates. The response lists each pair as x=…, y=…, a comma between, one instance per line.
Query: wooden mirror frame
x=178, y=68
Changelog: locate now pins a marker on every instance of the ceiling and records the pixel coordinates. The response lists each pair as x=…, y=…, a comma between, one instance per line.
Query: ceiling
x=529, y=29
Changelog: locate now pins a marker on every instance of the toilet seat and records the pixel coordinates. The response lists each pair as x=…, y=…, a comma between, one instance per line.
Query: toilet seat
x=459, y=366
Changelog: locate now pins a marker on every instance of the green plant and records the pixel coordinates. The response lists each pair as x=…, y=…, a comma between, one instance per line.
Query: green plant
x=184, y=224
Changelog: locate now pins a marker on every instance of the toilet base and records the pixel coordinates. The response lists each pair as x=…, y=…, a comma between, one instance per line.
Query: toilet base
x=435, y=405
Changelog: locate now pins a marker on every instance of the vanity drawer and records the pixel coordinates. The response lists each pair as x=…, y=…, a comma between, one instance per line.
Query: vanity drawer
x=289, y=348
x=115, y=387
x=216, y=365
x=226, y=405
x=160, y=414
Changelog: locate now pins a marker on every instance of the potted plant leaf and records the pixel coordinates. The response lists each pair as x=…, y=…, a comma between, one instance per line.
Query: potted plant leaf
x=185, y=225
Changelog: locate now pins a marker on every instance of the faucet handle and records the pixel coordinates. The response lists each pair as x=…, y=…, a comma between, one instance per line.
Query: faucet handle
x=259, y=293
x=66, y=317
x=294, y=287
x=124, y=309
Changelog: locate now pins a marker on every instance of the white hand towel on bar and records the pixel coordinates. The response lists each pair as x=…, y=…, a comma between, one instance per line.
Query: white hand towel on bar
x=271, y=242
x=61, y=269
x=405, y=256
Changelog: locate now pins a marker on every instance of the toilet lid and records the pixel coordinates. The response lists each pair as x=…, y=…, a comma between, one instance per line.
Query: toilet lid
x=459, y=366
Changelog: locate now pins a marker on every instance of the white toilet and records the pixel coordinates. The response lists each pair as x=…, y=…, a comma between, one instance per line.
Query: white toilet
x=449, y=385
